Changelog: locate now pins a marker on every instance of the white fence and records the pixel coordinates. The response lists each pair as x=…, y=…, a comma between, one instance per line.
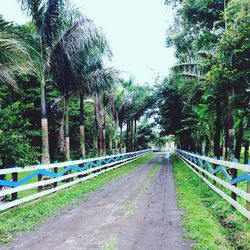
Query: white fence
x=71, y=173
x=207, y=168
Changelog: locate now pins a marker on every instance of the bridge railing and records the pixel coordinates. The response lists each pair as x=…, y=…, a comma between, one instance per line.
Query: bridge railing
x=216, y=174
x=45, y=179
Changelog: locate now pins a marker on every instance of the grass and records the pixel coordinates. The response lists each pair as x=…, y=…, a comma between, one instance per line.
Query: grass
x=129, y=207
x=27, y=216
x=111, y=243
x=208, y=219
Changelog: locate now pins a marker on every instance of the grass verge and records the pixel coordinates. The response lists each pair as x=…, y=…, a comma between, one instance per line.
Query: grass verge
x=27, y=216
x=208, y=219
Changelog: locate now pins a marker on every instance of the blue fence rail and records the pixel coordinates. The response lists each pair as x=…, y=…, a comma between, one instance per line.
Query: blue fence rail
x=50, y=178
x=208, y=169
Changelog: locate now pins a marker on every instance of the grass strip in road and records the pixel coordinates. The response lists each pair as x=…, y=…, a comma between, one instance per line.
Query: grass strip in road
x=208, y=219
x=130, y=206
x=27, y=216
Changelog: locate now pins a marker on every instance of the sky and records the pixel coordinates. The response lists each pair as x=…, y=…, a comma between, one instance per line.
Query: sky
x=135, y=30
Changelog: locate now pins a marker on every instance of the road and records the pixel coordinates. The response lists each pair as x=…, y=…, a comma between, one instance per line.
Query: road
x=137, y=211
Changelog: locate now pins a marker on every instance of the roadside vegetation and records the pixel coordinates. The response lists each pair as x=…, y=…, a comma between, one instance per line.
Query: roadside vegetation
x=26, y=217
x=205, y=101
x=208, y=219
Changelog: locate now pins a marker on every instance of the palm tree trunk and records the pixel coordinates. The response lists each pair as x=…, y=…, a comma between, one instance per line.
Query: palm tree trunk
x=110, y=143
x=217, y=129
x=101, y=142
x=104, y=134
x=44, y=125
x=239, y=140
x=135, y=137
x=82, y=129
x=127, y=136
x=230, y=133
x=234, y=172
x=199, y=146
x=116, y=146
x=67, y=140
x=95, y=144
x=246, y=152
x=121, y=139
x=132, y=134
x=226, y=136
x=207, y=146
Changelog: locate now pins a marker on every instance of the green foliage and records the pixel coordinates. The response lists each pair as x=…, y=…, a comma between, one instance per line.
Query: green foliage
x=145, y=134
x=210, y=82
x=15, y=145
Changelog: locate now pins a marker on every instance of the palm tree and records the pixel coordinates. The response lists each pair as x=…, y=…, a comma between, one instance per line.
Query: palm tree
x=102, y=99
x=53, y=21
x=78, y=69
x=93, y=80
x=135, y=103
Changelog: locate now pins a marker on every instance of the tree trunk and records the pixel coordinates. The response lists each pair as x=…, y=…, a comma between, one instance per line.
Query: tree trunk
x=234, y=172
x=199, y=146
x=121, y=139
x=95, y=144
x=222, y=148
x=127, y=136
x=101, y=142
x=132, y=135
x=239, y=139
x=110, y=143
x=82, y=132
x=116, y=146
x=207, y=147
x=44, y=125
x=104, y=134
x=217, y=129
x=135, y=137
x=226, y=136
x=246, y=152
x=230, y=134
x=67, y=140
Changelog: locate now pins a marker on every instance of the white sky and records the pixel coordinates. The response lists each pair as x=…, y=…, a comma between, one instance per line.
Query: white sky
x=135, y=30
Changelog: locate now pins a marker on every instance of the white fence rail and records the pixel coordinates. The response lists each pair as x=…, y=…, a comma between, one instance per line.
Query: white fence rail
x=81, y=170
x=207, y=168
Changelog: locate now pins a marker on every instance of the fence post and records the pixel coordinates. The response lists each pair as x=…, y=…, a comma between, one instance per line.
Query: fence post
x=55, y=171
x=39, y=178
x=80, y=165
x=234, y=175
x=216, y=158
x=14, y=179
x=248, y=190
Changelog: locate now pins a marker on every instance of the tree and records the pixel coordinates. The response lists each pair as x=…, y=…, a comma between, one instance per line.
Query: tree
x=52, y=20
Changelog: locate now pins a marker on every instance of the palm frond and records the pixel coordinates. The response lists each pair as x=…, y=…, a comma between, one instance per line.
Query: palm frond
x=76, y=60
x=14, y=57
x=34, y=8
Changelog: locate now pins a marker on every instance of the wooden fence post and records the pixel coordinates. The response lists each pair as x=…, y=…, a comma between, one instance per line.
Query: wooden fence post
x=234, y=175
x=39, y=178
x=15, y=179
x=248, y=191
x=55, y=171
x=216, y=158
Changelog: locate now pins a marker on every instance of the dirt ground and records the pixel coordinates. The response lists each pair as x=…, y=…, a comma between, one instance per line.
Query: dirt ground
x=137, y=211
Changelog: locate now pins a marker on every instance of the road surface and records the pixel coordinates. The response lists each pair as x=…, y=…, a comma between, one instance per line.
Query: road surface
x=137, y=211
